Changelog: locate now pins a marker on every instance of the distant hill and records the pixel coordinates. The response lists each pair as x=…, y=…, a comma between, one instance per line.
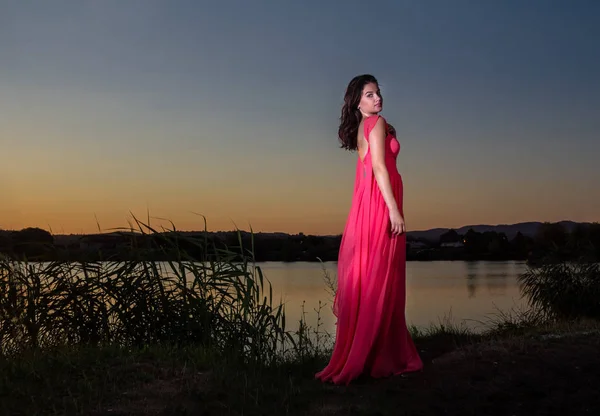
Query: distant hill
x=511, y=230
x=525, y=228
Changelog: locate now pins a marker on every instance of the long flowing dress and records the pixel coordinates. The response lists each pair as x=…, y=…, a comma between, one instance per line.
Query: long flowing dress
x=371, y=337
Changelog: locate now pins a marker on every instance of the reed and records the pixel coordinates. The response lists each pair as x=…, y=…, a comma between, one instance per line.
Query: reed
x=563, y=290
x=223, y=303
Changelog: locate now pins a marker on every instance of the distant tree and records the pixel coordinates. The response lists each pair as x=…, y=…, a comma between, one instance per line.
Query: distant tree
x=594, y=235
x=32, y=241
x=551, y=236
x=474, y=242
x=497, y=243
x=33, y=235
x=522, y=245
x=580, y=234
x=314, y=240
x=288, y=250
x=5, y=242
x=450, y=236
x=584, y=240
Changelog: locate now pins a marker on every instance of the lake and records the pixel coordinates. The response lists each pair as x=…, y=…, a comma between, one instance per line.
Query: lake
x=467, y=293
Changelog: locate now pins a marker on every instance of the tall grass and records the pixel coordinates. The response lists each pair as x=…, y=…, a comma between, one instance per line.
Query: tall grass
x=563, y=290
x=223, y=302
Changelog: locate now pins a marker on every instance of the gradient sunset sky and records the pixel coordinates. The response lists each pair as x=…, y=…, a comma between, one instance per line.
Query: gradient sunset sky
x=230, y=109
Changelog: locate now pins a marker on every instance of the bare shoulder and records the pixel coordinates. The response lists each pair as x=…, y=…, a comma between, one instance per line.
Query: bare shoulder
x=380, y=123
x=378, y=130
x=387, y=127
x=380, y=119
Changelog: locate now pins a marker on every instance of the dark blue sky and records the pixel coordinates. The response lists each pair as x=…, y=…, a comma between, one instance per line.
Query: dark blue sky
x=231, y=108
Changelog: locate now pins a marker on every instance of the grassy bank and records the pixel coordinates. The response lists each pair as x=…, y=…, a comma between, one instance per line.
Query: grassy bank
x=545, y=369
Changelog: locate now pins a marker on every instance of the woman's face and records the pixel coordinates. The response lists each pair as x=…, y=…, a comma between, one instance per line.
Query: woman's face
x=371, y=101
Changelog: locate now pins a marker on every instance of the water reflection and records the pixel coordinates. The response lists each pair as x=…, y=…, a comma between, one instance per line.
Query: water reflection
x=435, y=291
x=472, y=267
x=495, y=275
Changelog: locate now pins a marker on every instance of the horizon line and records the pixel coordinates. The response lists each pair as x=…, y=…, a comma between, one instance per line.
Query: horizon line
x=122, y=229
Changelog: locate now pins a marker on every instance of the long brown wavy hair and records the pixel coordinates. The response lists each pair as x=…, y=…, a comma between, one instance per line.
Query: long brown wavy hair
x=351, y=116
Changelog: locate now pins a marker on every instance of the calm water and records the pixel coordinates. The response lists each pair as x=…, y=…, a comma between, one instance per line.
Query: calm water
x=468, y=293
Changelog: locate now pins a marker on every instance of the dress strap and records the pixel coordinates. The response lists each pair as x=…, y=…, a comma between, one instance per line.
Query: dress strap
x=369, y=124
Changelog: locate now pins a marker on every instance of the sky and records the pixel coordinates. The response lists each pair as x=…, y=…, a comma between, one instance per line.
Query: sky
x=230, y=110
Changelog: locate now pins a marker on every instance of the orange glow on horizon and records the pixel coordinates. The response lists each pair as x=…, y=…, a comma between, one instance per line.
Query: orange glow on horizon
x=77, y=222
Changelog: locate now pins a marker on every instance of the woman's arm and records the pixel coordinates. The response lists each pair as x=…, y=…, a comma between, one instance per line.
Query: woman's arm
x=377, y=147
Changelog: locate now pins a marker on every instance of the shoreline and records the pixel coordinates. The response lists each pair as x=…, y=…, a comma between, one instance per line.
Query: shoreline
x=521, y=369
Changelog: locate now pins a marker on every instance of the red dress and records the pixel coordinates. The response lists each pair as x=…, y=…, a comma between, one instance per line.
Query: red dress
x=371, y=336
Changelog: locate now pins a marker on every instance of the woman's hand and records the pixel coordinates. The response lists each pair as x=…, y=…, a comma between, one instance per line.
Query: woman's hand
x=397, y=222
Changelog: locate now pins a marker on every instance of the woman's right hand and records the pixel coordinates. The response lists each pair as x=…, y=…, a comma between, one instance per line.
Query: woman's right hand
x=397, y=222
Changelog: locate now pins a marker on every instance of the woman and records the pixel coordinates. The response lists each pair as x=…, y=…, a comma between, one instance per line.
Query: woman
x=371, y=338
